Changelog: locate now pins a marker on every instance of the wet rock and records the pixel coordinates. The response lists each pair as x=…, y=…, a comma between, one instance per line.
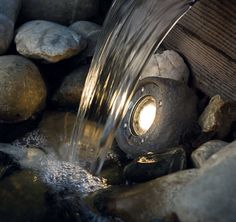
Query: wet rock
x=152, y=166
x=61, y=11
x=145, y=202
x=53, y=135
x=25, y=198
x=115, y=156
x=113, y=174
x=22, y=89
x=168, y=64
x=48, y=40
x=55, y=130
x=90, y=31
x=8, y=13
x=218, y=116
x=57, y=174
x=211, y=196
x=205, y=151
x=22, y=198
x=70, y=91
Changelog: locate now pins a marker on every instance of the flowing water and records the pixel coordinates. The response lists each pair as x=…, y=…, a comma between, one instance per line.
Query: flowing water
x=133, y=30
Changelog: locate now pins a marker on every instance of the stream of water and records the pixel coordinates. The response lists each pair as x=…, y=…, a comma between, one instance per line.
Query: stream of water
x=132, y=31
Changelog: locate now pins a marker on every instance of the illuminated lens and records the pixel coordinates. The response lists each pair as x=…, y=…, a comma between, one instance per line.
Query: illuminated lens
x=143, y=115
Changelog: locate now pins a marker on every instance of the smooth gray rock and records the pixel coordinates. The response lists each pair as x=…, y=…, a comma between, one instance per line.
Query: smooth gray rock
x=47, y=40
x=6, y=33
x=211, y=196
x=145, y=202
x=61, y=11
x=70, y=91
x=22, y=89
x=10, y=8
x=8, y=14
x=90, y=31
x=168, y=64
x=152, y=166
x=205, y=151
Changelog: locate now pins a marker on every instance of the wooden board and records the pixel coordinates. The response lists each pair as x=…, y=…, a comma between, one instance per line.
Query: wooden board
x=206, y=37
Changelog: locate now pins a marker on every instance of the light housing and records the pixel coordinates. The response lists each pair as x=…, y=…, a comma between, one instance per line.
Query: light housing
x=171, y=109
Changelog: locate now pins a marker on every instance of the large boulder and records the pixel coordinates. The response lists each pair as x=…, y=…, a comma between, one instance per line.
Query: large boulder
x=211, y=196
x=22, y=89
x=147, y=202
x=61, y=11
x=48, y=40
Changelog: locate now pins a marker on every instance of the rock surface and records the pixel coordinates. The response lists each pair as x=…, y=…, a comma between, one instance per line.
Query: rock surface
x=211, y=196
x=8, y=13
x=22, y=198
x=47, y=40
x=61, y=11
x=218, y=116
x=56, y=174
x=70, y=91
x=152, y=166
x=90, y=31
x=22, y=89
x=6, y=33
x=145, y=202
x=10, y=8
x=168, y=64
x=205, y=151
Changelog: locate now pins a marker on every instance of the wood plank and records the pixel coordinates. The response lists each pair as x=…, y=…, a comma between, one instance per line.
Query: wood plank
x=206, y=37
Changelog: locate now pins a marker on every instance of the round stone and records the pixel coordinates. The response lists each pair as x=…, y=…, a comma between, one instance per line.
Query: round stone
x=22, y=89
x=168, y=64
x=48, y=40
